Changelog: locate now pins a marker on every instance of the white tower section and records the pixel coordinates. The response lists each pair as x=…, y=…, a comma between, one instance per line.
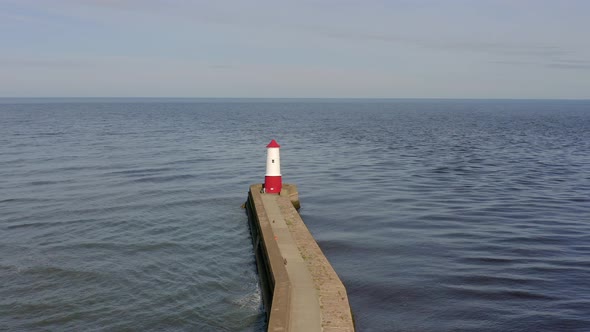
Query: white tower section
x=273, y=162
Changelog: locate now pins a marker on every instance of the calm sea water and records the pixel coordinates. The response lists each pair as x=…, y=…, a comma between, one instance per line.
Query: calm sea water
x=438, y=215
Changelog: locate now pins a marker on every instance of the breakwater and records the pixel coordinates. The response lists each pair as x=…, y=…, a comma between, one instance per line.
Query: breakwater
x=301, y=291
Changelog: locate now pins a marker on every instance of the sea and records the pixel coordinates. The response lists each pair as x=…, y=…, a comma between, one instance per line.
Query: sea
x=438, y=215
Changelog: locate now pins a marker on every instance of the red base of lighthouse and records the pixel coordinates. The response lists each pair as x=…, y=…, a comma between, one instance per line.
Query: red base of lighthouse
x=273, y=184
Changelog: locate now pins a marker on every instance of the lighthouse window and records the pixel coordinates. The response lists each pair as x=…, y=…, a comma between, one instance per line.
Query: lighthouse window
x=273, y=161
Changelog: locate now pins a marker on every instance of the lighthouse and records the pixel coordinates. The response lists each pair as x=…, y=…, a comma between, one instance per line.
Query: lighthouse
x=273, y=180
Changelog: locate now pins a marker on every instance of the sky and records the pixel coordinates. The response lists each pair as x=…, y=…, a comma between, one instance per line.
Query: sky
x=530, y=49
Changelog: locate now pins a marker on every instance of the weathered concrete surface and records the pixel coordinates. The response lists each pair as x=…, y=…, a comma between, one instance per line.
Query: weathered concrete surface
x=291, y=191
x=312, y=297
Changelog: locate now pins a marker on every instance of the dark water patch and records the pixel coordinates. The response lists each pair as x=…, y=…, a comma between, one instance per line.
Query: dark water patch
x=381, y=295
x=547, y=321
x=579, y=199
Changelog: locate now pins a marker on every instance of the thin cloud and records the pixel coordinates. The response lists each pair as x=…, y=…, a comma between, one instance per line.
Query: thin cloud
x=222, y=67
x=577, y=65
x=554, y=63
x=502, y=48
x=493, y=48
x=42, y=63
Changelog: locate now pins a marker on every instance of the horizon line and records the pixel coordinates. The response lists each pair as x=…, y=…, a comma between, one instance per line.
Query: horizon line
x=302, y=98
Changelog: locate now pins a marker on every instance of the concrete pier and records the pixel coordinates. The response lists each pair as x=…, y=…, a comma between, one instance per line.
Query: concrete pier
x=301, y=291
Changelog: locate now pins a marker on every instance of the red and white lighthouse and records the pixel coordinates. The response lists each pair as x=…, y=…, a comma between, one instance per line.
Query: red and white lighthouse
x=273, y=181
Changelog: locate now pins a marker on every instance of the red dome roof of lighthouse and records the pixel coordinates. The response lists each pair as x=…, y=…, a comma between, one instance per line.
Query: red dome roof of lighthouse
x=273, y=144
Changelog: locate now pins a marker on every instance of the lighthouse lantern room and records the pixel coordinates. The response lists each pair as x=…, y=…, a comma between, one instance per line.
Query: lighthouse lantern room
x=273, y=181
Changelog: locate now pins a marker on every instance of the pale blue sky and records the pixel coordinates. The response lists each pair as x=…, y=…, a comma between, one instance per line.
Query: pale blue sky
x=305, y=48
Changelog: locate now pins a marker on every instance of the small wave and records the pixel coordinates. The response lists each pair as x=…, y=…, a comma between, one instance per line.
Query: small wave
x=26, y=200
x=141, y=171
x=46, y=182
x=488, y=260
x=496, y=280
x=52, y=272
x=541, y=240
x=49, y=223
x=497, y=294
x=52, y=133
x=252, y=301
x=162, y=179
x=122, y=247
